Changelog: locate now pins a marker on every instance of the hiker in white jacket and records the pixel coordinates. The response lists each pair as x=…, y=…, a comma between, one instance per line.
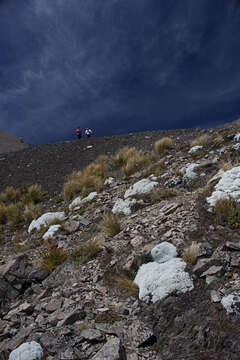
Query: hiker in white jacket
x=88, y=132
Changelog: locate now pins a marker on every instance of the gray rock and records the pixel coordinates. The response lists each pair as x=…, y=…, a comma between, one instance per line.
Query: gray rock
x=112, y=350
x=54, y=305
x=71, y=226
x=7, y=291
x=92, y=335
x=212, y=270
x=233, y=245
x=163, y=252
x=71, y=318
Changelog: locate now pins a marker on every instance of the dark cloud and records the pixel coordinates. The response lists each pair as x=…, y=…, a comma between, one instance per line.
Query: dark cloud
x=117, y=65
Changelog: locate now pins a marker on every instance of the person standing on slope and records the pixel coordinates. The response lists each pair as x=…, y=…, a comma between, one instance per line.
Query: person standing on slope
x=88, y=132
x=78, y=133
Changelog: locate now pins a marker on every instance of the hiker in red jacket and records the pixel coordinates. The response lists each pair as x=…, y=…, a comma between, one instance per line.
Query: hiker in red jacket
x=78, y=133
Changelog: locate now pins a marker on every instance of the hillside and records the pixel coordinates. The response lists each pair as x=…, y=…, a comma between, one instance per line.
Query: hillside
x=10, y=143
x=142, y=266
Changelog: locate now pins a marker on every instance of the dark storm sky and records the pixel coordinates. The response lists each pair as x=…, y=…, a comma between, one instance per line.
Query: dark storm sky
x=117, y=65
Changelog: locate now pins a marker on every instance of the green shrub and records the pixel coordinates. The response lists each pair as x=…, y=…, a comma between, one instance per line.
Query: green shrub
x=227, y=212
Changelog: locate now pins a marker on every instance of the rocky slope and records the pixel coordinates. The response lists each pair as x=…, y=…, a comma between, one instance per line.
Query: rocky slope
x=88, y=307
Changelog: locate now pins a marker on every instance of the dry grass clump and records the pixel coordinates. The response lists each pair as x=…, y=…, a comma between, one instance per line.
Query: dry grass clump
x=33, y=194
x=131, y=160
x=3, y=214
x=225, y=165
x=14, y=213
x=10, y=195
x=164, y=194
x=85, y=252
x=88, y=180
x=127, y=285
x=32, y=211
x=25, y=194
x=110, y=224
x=191, y=252
x=202, y=140
x=53, y=257
x=161, y=146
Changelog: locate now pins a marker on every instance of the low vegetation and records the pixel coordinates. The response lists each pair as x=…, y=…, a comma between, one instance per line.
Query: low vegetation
x=130, y=160
x=110, y=224
x=202, y=140
x=190, y=253
x=162, y=146
x=21, y=204
x=90, y=179
x=53, y=257
x=85, y=252
x=227, y=212
x=126, y=285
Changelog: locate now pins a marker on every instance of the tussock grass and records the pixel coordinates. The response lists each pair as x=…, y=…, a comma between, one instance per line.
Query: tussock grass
x=127, y=285
x=34, y=194
x=53, y=257
x=190, y=253
x=32, y=211
x=131, y=160
x=14, y=213
x=161, y=146
x=3, y=214
x=85, y=252
x=10, y=195
x=202, y=140
x=225, y=165
x=110, y=224
x=90, y=179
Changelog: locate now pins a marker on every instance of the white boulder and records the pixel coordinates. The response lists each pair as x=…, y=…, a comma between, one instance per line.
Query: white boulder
x=163, y=252
x=123, y=206
x=143, y=186
x=157, y=281
x=51, y=232
x=188, y=171
x=79, y=201
x=109, y=181
x=195, y=148
x=231, y=303
x=228, y=186
x=46, y=220
x=236, y=137
x=27, y=351
x=236, y=147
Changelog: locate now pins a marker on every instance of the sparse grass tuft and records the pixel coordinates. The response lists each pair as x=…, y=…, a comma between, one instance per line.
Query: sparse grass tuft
x=161, y=146
x=199, y=154
x=162, y=195
x=53, y=257
x=202, y=140
x=225, y=165
x=108, y=317
x=86, y=252
x=10, y=195
x=111, y=224
x=90, y=179
x=191, y=252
